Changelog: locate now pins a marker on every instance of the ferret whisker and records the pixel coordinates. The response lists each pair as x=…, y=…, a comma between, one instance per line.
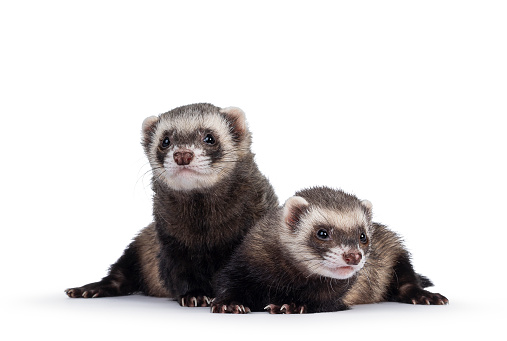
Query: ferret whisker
x=311, y=268
x=331, y=286
x=156, y=179
x=139, y=178
x=307, y=260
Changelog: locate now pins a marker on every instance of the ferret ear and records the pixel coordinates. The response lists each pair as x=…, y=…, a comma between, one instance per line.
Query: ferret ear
x=369, y=207
x=293, y=210
x=237, y=118
x=148, y=127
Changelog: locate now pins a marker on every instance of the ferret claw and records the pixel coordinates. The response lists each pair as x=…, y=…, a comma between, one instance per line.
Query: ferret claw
x=286, y=308
x=428, y=298
x=195, y=301
x=230, y=309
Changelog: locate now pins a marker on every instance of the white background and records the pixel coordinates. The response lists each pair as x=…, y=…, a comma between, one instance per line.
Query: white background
x=398, y=102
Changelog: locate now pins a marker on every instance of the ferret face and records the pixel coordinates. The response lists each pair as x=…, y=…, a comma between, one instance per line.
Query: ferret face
x=328, y=242
x=196, y=146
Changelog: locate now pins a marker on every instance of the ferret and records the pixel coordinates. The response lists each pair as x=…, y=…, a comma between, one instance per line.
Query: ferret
x=208, y=192
x=320, y=252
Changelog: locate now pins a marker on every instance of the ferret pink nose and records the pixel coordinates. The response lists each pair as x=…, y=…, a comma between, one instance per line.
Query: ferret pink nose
x=183, y=158
x=352, y=258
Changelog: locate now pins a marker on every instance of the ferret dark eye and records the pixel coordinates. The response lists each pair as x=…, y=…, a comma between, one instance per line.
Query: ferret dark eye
x=166, y=142
x=209, y=139
x=322, y=234
x=363, y=238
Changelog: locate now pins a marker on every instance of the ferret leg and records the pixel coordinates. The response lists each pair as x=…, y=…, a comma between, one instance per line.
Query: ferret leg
x=231, y=302
x=184, y=278
x=193, y=293
x=123, y=279
x=408, y=287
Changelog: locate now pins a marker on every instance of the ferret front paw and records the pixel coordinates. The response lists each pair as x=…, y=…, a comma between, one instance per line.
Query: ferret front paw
x=416, y=295
x=428, y=298
x=194, y=301
x=98, y=289
x=286, y=309
x=82, y=292
x=229, y=309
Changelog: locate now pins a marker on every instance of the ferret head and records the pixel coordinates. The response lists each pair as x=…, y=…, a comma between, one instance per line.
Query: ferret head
x=195, y=146
x=327, y=231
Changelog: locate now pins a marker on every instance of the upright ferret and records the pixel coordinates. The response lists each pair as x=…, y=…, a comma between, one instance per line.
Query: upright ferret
x=320, y=252
x=208, y=192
